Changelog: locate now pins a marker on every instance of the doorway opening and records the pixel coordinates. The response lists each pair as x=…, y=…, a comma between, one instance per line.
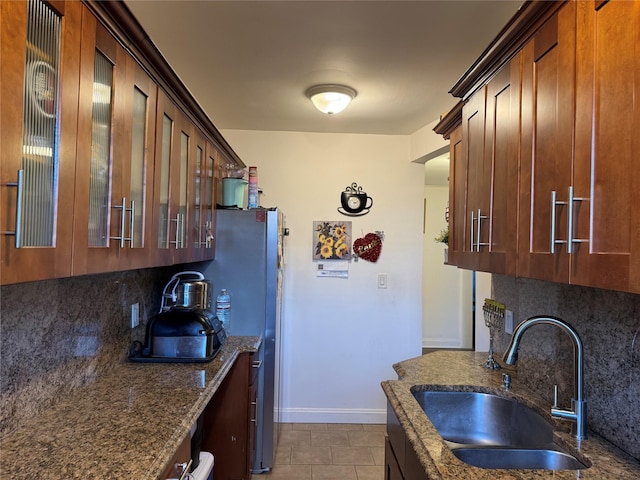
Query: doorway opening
x=448, y=293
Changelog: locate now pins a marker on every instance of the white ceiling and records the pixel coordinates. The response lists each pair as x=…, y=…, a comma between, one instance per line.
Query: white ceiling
x=248, y=63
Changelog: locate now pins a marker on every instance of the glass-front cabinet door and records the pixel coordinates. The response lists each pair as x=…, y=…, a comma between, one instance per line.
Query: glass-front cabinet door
x=114, y=175
x=210, y=190
x=39, y=47
x=203, y=199
x=133, y=187
x=102, y=65
x=174, y=137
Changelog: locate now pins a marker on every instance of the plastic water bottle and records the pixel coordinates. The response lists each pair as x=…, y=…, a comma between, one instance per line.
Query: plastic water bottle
x=223, y=308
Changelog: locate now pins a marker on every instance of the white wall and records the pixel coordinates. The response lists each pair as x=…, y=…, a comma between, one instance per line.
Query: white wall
x=425, y=141
x=446, y=290
x=341, y=336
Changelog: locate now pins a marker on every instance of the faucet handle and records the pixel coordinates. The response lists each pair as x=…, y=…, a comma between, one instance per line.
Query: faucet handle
x=555, y=396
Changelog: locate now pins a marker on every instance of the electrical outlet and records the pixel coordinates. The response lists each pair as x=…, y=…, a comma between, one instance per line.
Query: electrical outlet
x=135, y=315
x=382, y=280
x=508, y=321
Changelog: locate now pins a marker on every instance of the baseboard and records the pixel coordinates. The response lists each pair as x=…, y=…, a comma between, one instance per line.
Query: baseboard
x=441, y=343
x=332, y=415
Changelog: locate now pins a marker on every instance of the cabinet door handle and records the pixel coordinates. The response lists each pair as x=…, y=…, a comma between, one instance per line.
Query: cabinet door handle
x=123, y=208
x=180, y=230
x=570, y=239
x=183, y=469
x=132, y=222
x=208, y=234
x=471, y=229
x=183, y=228
x=132, y=209
x=256, y=364
x=20, y=187
x=176, y=242
x=552, y=236
x=479, y=220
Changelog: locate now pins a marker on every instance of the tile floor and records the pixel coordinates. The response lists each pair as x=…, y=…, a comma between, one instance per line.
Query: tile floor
x=328, y=451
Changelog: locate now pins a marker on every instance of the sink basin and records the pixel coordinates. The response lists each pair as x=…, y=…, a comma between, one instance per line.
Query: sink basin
x=518, y=458
x=489, y=431
x=474, y=418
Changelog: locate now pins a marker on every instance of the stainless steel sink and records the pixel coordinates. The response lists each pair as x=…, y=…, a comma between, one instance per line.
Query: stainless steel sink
x=489, y=431
x=482, y=419
x=518, y=458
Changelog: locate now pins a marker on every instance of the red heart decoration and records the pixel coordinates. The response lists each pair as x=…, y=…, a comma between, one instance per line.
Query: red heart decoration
x=368, y=248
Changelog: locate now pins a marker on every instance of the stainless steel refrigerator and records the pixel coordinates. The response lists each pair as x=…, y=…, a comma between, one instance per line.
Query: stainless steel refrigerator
x=249, y=263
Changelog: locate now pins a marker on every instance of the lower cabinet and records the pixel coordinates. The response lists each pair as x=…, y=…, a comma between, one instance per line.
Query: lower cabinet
x=391, y=466
x=253, y=410
x=400, y=461
x=179, y=462
x=227, y=422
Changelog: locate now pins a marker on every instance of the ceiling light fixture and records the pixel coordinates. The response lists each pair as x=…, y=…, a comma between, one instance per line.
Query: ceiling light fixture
x=330, y=98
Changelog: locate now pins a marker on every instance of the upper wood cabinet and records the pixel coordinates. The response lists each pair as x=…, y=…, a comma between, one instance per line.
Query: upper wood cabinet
x=555, y=97
x=134, y=185
x=174, y=139
x=546, y=147
x=116, y=125
x=485, y=175
x=202, y=201
x=579, y=148
x=40, y=51
x=101, y=170
x=457, y=196
x=606, y=168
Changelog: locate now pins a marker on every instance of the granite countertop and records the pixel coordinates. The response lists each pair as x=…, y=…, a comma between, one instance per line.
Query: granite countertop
x=463, y=371
x=127, y=423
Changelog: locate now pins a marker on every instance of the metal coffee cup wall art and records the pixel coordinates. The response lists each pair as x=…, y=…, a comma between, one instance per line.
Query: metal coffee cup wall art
x=355, y=202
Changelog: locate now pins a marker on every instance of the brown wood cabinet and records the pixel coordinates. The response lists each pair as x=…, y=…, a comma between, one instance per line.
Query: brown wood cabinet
x=38, y=148
x=546, y=147
x=253, y=410
x=102, y=170
x=202, y=202
x=485, y=173
x=116, y=124
x=457, y=193
x=401, y=461
x=227, y=422
x=174, y=134
x=549, y=123
x=579, y=157
x=179, y=461
x=391, y=467
x=606, y=167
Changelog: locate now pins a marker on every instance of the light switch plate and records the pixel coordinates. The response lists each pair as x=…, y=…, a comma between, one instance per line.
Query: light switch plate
x=508, y=321
x=382, y=280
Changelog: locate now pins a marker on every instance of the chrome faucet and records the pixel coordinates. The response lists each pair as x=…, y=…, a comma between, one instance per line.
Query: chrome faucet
x=577, y=413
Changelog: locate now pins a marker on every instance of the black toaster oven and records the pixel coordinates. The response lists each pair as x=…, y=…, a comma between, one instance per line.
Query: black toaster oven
x=181, y=335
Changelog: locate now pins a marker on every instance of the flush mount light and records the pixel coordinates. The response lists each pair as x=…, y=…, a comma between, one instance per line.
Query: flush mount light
x=331, y=98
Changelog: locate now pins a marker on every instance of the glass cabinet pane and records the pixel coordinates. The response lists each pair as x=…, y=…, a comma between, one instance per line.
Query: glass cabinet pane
x=208, y=200
x=100, y=182
x=40, y=155
x=167, y=128
x=184, y=163
x=138, y=165
x=198, y=231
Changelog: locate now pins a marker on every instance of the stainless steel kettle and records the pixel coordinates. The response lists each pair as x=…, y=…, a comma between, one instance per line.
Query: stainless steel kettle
x=187, y=289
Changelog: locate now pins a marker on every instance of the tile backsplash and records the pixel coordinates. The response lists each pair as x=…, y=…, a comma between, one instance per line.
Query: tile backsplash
x=57, y=335
x=609, y=326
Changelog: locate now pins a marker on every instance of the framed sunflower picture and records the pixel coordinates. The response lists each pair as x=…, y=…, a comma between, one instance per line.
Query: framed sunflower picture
x=331, y=240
